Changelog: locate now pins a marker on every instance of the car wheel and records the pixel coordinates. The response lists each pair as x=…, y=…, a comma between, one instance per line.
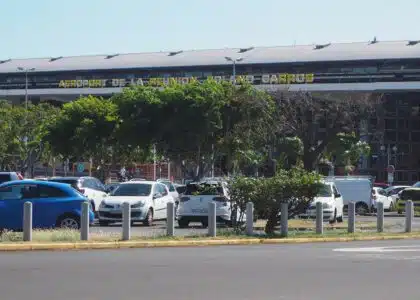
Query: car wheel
x=104, y=223
x=204, y=224
x=182, y=223
x=334, y=218
x=362, y=209
x=69, y=222
x=400, y=212
x=149, y=218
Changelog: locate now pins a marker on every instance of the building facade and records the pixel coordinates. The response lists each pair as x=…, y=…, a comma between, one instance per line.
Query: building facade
x=391, y=69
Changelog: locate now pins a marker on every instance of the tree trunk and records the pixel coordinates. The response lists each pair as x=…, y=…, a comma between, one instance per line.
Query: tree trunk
x=272, y=221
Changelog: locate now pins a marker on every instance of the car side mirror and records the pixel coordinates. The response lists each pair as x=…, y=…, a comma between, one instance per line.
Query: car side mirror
x=338, y=195
x=157, y=195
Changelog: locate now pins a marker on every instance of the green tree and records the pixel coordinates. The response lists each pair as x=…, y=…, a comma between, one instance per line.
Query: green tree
x=23, y=134
x=296, y=187
x=86, y=129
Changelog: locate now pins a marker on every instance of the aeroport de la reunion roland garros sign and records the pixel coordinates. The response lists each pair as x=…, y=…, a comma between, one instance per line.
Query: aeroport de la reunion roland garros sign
x=283, y=78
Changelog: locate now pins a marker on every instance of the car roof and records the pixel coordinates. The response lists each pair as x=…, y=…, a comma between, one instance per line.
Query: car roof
x=39, y=182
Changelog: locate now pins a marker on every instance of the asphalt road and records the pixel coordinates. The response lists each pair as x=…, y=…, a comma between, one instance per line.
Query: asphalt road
x=159, y=228
x=269, y=272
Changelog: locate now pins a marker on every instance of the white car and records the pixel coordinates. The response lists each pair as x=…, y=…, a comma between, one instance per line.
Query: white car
x=194, y=203
x=393, y=192
x=148, y=200
x=332, y=204
x=90, y=187
x=380, y=195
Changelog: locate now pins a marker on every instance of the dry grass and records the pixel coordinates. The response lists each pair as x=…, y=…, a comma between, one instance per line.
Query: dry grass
x=73, y=236
x=310, y=224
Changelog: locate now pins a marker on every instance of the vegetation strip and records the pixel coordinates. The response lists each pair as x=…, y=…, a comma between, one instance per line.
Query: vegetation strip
x=198, y=242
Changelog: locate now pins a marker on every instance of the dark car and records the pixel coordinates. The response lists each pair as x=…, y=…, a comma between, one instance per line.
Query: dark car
x=9, y=176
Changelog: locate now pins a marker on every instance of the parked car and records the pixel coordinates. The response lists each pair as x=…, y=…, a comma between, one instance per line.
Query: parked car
x=54, y=204
x=180, y=188
x=357, y=189
x=411, y=193
x=380, y=195
x=393, y=192
x=193, y=205
x=148, y=200
x=9, y=176
x=91, y=187
x=332, y=204
x=171, y=188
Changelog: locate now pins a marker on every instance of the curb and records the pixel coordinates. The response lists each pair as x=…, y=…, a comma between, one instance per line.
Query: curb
x=190, y=243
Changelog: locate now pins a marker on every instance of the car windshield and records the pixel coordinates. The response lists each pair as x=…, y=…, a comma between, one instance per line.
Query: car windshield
x=204, y=189
x=417, y=185
x=133, y=189
x=325, y=191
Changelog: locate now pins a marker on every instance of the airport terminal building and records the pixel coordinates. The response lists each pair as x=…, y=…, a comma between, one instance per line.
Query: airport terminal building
x=388, y=68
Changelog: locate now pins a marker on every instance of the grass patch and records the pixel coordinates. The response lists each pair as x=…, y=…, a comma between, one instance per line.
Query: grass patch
x=73, y=236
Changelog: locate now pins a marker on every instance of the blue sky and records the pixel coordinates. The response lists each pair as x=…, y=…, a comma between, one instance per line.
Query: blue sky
x=45, y=28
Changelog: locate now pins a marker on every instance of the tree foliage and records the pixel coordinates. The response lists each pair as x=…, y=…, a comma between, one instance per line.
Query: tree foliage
x=22, y=135
x=318, y=120
x=296, y=187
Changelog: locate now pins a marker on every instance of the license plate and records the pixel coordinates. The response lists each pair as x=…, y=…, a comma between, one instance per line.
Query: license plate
x=199, y=210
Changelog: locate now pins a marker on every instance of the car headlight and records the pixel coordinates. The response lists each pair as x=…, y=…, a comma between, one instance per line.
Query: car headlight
x=326, y=205
x=137, y=205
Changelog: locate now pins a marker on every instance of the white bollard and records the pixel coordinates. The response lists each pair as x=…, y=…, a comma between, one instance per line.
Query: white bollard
x=170, y=221
x=351, y=217
x=409, y=214
x=212, y=219
x=250, y=218
x=380, y=216
x=126, y=224
x=84, y=222
x=284, y=220
x=27, y=221
x=319, y=218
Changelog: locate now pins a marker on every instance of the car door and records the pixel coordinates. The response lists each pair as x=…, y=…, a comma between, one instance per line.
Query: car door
x=160, y=203
x=90, y=192
x=12, y=199
x=47, y=207
x=384, y=198
x=338, y=200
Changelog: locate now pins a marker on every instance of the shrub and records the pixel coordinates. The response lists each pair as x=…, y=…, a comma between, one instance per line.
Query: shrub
x=296, y=187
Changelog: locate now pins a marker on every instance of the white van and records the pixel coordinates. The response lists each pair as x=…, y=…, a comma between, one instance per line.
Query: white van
x=357, y=189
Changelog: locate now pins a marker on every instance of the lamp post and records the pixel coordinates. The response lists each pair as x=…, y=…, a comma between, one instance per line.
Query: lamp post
x=26, y=71
x=234, y=61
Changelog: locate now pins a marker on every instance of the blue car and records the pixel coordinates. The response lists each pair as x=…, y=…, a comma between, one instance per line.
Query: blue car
x=54, y=204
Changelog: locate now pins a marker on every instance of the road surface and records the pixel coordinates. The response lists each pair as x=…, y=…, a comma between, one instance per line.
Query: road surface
x=269, y=272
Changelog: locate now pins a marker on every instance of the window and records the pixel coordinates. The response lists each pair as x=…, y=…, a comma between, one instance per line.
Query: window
x=162, y=189
x=132, y=189
x=46, y=191
x=169, y=185
x=4, y=178
x=335, y=191
x=19, y=192
x=325, y=191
